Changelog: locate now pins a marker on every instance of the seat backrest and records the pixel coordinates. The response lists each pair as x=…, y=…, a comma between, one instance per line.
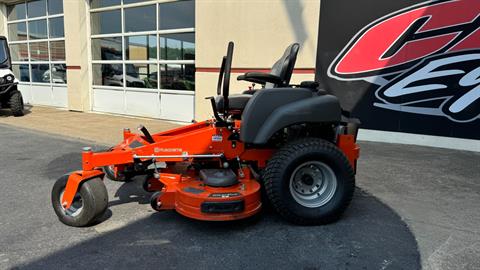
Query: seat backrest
x=283, y=68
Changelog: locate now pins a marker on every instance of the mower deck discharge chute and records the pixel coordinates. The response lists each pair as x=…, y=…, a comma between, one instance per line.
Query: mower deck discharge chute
x=289, y=144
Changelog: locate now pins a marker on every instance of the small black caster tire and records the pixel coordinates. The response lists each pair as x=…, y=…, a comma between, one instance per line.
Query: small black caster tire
x=146, y=185
x=16, y=103
x=154, y=201
x=120, y=177
x=90, y=203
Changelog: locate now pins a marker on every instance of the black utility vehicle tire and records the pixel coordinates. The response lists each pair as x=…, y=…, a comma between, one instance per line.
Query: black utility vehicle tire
x=94, y=196
x=16, y=103
x=279, y=181
x=121, y=177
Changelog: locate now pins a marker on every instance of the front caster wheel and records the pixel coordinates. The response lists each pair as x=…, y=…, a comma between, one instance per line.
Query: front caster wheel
x=90, y=202
x=146, y=185
x=118, y=176
x=154, y=202
x=309, y=181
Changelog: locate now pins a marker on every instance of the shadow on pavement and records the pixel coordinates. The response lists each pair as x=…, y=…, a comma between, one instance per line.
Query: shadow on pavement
x=131, y=192
x=369, y=236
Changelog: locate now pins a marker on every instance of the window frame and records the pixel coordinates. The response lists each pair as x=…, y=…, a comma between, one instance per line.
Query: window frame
x=28, y=41
x=158, y=62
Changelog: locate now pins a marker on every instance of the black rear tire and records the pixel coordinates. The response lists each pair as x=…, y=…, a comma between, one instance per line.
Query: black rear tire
x=92, y=196
x=282, y=169
x=16, y=103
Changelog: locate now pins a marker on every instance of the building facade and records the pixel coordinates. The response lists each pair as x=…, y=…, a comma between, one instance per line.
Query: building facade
x=152, y=58
x=161, y=58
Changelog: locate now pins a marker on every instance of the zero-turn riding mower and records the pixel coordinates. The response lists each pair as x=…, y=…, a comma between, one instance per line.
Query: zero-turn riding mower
x=10, y=97
x=294, y=142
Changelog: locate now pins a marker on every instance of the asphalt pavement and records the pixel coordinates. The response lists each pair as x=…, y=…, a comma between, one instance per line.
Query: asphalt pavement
x=133, y=236
x=414, y=207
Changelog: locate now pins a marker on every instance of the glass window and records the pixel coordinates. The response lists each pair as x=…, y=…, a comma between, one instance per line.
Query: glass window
x=21, y=72
x=55, y=7
x=57, y=50
x=19, y=52
x=39, y=51
x=133, y=1
x=177, y=77
x=141, y=75
x=141, y=47
x=103, y=3
x=17, y=31
x=177, y=46
x=176, y=15
x=140, y=19
x=138, y=53
x=36, y=8
x=56, y=27
x=40, y=73
x=106, y=22
x=37, y=29
x=16, y=12
x=107, y=48
x=58, y=73
x=107, y=74
x=3, y=54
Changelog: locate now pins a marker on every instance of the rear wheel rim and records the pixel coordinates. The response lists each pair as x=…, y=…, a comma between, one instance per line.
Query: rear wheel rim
x=75, y=208
x=313, y=184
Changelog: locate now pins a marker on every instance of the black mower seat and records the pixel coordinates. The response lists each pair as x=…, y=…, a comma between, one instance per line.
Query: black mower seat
x=238, y=102
x=218, y=177
x=279, y=76
x=235, y=102
x=280, y=73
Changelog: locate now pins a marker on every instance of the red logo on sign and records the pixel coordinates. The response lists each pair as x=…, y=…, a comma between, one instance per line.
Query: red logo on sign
x=401, y=39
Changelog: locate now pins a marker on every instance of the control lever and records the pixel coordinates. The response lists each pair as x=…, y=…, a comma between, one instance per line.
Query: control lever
x=215, y=110
x=145, y=132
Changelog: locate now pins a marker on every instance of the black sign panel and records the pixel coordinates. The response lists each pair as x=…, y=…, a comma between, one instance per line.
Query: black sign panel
x=406, y=66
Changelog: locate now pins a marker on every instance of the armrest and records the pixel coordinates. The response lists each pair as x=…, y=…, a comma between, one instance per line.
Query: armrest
x=259, y=77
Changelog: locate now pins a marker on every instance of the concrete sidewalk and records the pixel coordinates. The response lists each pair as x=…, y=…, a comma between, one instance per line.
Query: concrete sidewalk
x=435, y=191
x=95, y=127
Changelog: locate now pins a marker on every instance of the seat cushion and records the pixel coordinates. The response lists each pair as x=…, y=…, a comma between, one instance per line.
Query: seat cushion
x=238, y=102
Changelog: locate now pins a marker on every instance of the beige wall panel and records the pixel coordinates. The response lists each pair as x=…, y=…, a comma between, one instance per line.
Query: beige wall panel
x=77, y=54
x=261, y=30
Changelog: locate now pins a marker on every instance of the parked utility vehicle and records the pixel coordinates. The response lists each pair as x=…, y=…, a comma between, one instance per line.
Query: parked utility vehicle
x=10, y=97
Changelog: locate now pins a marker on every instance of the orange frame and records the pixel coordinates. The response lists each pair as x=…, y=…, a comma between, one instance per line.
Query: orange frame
x=195, y=139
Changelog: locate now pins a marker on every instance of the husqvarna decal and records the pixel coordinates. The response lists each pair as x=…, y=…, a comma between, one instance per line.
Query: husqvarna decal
x=422, y=53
